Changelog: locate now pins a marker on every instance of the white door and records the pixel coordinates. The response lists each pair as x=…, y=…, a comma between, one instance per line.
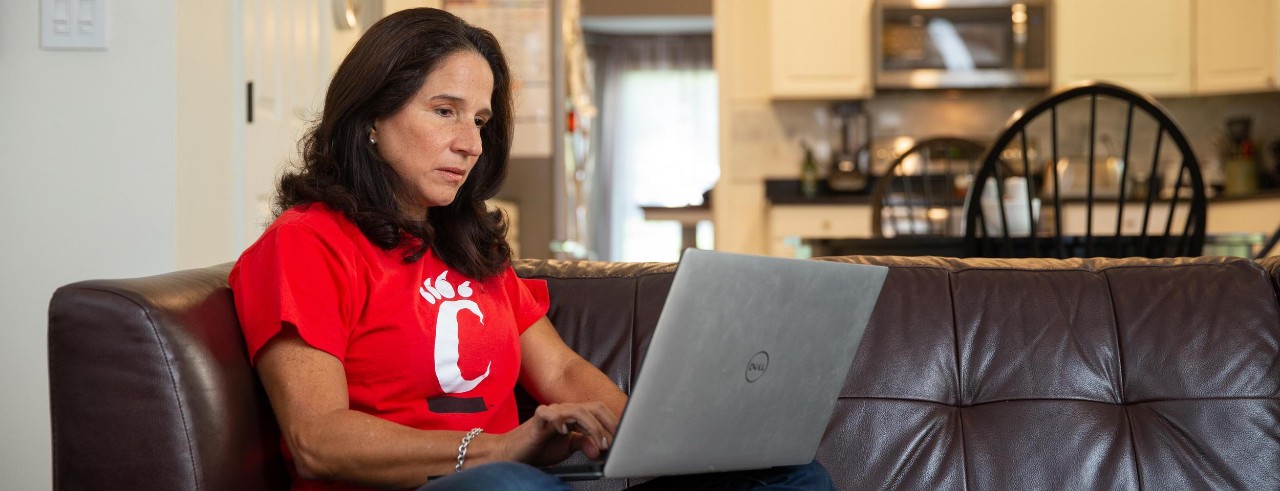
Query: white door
x=285, y=46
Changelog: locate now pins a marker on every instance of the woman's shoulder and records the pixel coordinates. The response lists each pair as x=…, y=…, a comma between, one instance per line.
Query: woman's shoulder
x=312, y=215
x=318, y=219
x=305, y=234
x=313, y=222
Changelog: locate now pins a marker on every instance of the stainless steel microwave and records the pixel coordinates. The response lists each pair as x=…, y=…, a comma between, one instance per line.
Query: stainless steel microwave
x=931, y=44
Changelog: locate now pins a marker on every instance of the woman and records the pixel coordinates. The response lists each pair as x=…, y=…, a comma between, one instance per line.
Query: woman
x=380, y=309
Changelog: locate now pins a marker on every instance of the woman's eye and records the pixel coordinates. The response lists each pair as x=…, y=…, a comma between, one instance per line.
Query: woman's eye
x=480, y=122
x=444, y=111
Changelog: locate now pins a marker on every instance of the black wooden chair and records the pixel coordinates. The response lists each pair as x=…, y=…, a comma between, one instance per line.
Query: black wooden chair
x=1122, y=182
x=922, y=192
x=1269, y=244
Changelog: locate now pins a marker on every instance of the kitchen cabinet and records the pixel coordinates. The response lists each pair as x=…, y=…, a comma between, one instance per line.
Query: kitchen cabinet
x=1169, y=47
x=820, y=49
x=1142, y=44
x=788, y=224
x=1236, y=48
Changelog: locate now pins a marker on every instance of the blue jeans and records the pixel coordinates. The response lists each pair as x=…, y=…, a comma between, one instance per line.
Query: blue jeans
x=511, y=476
x=498, y=476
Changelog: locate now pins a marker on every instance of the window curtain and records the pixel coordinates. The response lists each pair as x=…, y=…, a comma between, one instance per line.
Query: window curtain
x=657, y=131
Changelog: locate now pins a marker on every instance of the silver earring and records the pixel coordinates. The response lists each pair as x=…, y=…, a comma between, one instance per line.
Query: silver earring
x=372, y=141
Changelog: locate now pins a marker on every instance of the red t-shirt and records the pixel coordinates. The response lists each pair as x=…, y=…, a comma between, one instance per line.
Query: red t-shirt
x=421, y=344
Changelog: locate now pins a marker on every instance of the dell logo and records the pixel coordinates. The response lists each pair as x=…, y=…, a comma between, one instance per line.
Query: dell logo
x=756, y=367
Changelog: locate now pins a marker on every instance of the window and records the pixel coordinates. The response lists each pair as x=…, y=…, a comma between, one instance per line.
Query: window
x=659, y=124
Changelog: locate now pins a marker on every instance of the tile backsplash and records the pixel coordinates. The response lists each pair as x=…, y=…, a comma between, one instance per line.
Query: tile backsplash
x=982, y=114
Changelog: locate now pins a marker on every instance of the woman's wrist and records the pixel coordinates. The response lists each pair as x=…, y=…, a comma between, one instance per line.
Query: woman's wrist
x=465, y=446
x=484, y=448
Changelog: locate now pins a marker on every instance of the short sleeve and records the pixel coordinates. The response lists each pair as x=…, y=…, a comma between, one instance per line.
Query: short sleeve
x=529, y=299
x=293, y=275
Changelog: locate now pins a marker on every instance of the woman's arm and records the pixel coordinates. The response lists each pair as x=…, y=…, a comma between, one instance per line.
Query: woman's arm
x=555, y=374
x=308, y=392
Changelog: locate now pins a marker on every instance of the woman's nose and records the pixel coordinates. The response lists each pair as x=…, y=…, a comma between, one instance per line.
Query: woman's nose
x=468, y=141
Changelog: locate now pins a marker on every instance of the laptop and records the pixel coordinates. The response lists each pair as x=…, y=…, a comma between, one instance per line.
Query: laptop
x=745, y=364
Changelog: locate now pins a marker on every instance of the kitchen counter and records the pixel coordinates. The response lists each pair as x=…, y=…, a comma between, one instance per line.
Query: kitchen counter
x=787, y=192
x=794, y=219
x=1260, y=195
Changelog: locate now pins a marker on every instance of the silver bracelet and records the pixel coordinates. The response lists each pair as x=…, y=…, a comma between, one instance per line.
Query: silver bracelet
x=462, y=449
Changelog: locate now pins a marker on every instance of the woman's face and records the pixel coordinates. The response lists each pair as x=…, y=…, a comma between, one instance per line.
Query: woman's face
x=434, y=140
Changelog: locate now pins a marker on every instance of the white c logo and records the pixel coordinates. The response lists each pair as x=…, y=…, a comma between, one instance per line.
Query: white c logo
x=447, y=371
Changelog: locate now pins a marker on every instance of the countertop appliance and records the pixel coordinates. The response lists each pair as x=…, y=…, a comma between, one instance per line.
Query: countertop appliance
x=961, y=43
x=850, y=165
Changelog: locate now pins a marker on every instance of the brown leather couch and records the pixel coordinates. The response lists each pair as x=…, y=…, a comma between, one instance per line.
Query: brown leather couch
x=974, y=374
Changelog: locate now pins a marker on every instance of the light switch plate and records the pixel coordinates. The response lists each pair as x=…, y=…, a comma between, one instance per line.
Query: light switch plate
x=73, y=24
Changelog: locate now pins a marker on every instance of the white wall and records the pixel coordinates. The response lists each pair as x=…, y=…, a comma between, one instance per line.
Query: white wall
x=87, y=190
x=210, y=105
x=116, y=163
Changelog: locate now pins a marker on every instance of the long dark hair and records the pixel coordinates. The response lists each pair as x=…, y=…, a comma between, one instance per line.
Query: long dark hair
x=341, y=169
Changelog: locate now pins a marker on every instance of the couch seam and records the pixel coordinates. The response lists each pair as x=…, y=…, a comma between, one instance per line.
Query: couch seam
x=182, y=410
x=955, y=340
x=1115, y=323
x=1133, y=446
x=1124, y=396
x=1056, y=399
x=1100, y=270
x=598, y=277
x=548, y=276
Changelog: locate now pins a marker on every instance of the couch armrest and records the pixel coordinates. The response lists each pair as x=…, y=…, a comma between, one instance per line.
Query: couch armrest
x=150, y=388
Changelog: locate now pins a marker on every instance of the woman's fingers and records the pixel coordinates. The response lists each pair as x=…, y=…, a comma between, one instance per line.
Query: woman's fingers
x=605, y=425
x=592, y=420
x=588, y=446
x=608, y=420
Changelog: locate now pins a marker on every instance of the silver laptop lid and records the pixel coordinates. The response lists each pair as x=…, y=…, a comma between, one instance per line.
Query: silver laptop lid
x=745, y=364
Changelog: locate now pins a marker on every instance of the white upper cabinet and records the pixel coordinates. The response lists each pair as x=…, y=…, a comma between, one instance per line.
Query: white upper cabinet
x=1142, y=44
x=820, y=49
x=1236, y=47
x=1169, y=47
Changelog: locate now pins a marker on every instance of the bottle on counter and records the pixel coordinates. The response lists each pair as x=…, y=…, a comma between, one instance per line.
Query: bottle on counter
x=1241, y=176
x=809, y=174
x=1239, y=167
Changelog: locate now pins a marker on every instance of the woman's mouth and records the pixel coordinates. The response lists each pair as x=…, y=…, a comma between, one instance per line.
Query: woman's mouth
x=453, y=174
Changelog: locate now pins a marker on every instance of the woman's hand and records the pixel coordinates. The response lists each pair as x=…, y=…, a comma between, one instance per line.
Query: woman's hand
x=555, y=431
x=583, y=405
